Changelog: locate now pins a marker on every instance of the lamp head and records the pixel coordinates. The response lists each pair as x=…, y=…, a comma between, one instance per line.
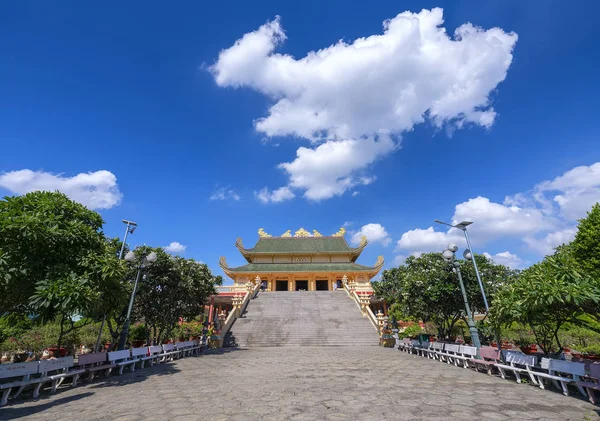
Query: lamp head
x=462, y=225
x=151, y=258
x=130, y=256
x=452, y=247
x=448, y=256
x=467, y=254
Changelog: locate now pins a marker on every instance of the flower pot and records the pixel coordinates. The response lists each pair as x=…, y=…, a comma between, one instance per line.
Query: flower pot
x=62, y=353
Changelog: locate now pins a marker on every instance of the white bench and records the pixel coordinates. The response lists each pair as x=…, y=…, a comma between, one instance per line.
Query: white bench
x=121, y=359
x=155, y=354
x=489, y=357
x=141, y=355
x=17, y=375
x=170, y=352
x=592, y=383
x=56, y=371
x=518, y=363
x=185, y=347
x=435, y=350
x=449, y=352
x=575, y=370
x=404, y=344
x=465, y=354
x=93, y=363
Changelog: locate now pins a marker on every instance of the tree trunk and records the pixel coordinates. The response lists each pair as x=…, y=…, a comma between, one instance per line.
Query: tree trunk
x=60, y=336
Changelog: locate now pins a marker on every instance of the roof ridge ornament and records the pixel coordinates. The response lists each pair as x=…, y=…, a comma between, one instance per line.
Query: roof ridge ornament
x=363, y=241
x=340, y=233
x=287, y=233
x=379, y=262
x=262, y=233
x=302, y=233
x=317, y=233
x=223, y=262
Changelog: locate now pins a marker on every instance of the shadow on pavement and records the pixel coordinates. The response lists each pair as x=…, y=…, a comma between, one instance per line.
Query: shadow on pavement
x=43, y=403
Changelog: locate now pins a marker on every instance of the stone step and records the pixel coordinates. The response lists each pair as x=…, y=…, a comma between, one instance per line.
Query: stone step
x=321, y=318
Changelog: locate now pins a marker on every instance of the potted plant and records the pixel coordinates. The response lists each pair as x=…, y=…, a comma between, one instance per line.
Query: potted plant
x=138, y=335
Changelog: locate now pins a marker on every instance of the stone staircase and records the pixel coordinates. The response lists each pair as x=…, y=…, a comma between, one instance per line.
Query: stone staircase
x=302, y=318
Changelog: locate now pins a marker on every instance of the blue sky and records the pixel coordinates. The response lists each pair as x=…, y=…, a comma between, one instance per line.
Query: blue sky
x=154, y=114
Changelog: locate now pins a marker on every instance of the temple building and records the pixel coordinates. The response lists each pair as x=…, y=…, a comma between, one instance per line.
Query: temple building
x=301, y=262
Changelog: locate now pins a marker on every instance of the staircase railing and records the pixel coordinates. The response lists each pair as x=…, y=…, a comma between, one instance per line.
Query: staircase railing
x=235, y=313
x=354, y=296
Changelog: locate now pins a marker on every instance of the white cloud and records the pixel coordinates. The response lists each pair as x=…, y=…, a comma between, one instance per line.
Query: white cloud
x=175, y=247
x=375, y=233
x=335, y=166
x=548, y=243
x=276, y=196
x=353, y=98
x=96, y=190
x=426, y=240
x=347, y=224
x=224, y=193
x=399, y=259
x=506, y=258
x=576, y=191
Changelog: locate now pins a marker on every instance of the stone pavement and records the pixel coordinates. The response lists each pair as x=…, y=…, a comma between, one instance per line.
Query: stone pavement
x=358, y=383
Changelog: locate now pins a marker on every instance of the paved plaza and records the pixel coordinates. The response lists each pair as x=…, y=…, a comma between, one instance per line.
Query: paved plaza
x=359, y=383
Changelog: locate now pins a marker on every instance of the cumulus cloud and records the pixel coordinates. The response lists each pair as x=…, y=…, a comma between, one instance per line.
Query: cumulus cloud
x=353, y=98
x=375, y=233
x=550, y=241
x=506, y=258
x=96, y=190
x=276, y=196
x=543, y=217
x=225, y=193
x=175, y=247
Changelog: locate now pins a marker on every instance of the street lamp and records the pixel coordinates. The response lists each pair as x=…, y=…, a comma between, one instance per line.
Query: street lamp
x=129, y=229
x=469, y=255
x=450, y=258
x=147, y=260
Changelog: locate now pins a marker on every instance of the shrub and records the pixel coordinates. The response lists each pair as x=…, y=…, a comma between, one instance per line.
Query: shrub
x=412, y=330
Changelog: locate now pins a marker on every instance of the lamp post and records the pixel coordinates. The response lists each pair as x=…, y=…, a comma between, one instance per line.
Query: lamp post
x=469, y=254
x=450, y=258
x=129, y=229
x=146, y=261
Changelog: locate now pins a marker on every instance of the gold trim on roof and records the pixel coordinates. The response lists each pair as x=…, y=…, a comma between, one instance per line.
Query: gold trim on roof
x=287, y=233
x=317, y=233
x=262, y=233
x=302, y=233
x=223, y=262
x=340, y=233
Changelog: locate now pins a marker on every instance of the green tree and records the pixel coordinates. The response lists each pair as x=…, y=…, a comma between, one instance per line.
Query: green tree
x=425, y=288
x=55, y=262
x=546, y=296
x=44, y=238
x=585, y=247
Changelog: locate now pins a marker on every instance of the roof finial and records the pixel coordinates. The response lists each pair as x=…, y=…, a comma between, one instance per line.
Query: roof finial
x=262, y=233
x=317, y=233
x=340, y=233
x=302, y=233
x=287, y=233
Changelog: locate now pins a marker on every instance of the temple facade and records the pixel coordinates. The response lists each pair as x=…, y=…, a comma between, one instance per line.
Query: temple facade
x=302, y=261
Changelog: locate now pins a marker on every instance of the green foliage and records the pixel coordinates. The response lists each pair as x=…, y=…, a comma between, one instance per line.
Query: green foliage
x=412, y=330
x=174, y=288
x=586, y=245
x=138, y=332
x=425, y=288
x=545, y=297
x=13, y=325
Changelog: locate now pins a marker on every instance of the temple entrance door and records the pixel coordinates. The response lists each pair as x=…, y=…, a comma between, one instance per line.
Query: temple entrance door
x=301, y=285
x=281, y=285
x=322, y=285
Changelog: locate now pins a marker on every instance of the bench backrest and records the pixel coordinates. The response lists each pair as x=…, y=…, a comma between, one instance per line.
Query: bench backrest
x=593, y=370
x=468, y=350
x=168, y=347
x=18, y=369
x=437, y=345
x=155, y=349
x=415, y=342
x=406, y=340
x=561, y=366
x=183, y=344
x=119, y=355
x=55, y=364
x=519, y=358
x=94, y=358
x=452, y=348
x=139, y=352
x=489, y=353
